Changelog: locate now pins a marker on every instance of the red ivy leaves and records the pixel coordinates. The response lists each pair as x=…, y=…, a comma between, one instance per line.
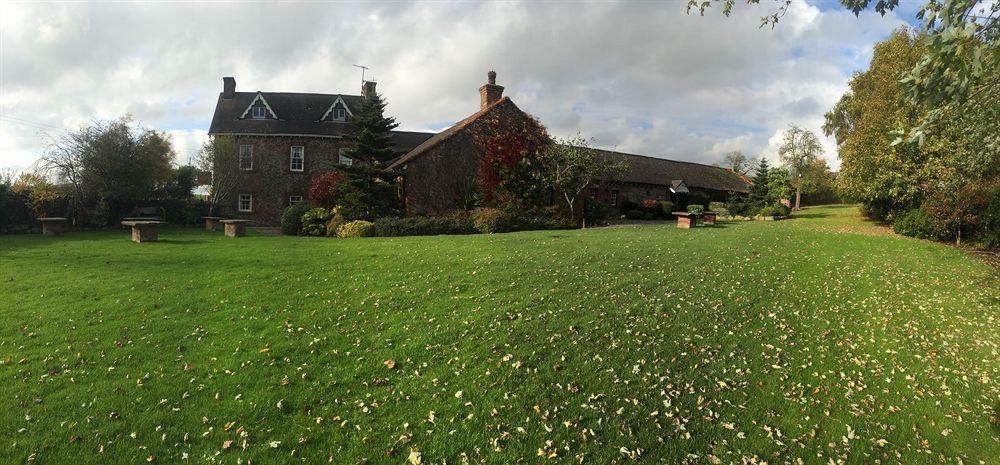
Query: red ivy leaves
x=325, y=188
x=504, y=153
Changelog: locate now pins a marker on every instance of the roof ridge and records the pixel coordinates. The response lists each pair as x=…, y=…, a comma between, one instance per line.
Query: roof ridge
x=661, y=158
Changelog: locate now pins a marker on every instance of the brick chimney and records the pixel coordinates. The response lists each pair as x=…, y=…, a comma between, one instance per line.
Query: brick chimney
x=228, y=87
x=367, y=88
x=490, y=93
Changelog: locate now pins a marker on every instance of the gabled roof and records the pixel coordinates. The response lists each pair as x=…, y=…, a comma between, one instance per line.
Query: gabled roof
x=297, y=114
x=660, y=171
x=501, y=105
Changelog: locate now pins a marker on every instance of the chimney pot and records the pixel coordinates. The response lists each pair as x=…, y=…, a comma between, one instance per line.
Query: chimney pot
x=490, y=92
x=228, y=87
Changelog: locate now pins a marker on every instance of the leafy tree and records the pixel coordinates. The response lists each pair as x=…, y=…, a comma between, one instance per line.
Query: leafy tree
x=799, y=150
x=739, y=163
x=219, y=156
x=183, y=181
x=779, y=186
x=116, y=160
x=373, y=137
x=569, y=166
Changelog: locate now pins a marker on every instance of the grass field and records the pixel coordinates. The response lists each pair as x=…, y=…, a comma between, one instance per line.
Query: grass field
x=821, y=339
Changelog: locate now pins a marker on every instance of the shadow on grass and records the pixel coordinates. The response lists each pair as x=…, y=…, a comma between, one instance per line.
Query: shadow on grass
x=809, y=215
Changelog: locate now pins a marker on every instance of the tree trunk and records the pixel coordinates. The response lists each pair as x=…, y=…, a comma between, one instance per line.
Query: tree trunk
x=798, y=196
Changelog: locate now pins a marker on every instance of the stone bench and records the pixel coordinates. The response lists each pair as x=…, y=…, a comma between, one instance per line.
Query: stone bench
x=708, y=218
x=686, y=220
x=53, y=226
x=212, y=223
x=144, y=231
x=235, y=228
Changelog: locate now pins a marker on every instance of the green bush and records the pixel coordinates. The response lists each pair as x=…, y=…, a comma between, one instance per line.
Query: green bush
x=991, y=220
x=336, y=221
x=718, y=207
x=627, y=206
x=455, y=223
x=776, y=209
x=667, y=207
x=634, y=215
x=739, y=205
x=696, y=208
x=291, y=219
x=594, y=212
x=699, y=198
x=314, y=222
x=356, y=228
x=914, y=223
x=491, y=220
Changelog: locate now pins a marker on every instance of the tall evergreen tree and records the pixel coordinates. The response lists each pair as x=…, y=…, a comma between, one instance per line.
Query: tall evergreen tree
x=373, y=139
x=759, y=189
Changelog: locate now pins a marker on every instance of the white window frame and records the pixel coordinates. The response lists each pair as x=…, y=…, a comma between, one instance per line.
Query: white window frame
x=614, y=198
x=341, y=157
x=301, y=159
x=262, y=110
x=294, y=199
x=339, y=114
x=239, y=203
x=249, y=154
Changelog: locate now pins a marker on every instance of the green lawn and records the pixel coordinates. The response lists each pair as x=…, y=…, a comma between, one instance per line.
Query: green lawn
x=820, y=339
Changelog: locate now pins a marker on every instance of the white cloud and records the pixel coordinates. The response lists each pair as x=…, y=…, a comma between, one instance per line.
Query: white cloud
x=641, y=77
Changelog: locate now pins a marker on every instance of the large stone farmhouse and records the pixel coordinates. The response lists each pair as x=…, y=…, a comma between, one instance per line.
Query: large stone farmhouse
x=285, y=139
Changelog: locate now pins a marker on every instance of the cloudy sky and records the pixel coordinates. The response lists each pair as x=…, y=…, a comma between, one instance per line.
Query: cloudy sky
x=640, y=77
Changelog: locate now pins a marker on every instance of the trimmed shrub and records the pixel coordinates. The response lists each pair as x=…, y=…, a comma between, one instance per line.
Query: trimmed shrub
x=356, y=228
x=699, y=198
x=291, y=219
x=314, y=222
x=718, y=207
x=650, y=215
x=455, y=223
x=914, y=223
x=695, y=208
x=491, y=220
x=634, y=215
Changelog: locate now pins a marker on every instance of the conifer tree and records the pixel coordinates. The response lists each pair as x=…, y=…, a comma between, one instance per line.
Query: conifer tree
x=759, y=189
x=373, y=139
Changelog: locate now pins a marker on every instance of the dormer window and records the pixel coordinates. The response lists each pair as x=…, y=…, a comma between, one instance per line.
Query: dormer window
x=338, y=111
x=259, y=109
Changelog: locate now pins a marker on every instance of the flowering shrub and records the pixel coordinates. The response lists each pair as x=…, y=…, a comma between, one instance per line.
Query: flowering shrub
x=325, y=189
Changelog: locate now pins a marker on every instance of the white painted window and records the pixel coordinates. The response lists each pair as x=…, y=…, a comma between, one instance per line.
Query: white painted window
x=246, y=157
x=614, y=198
x=259, y=112
x=344, y=159
x=297, y=160
x=294, y=199
x=246, y=203
x=339, y=114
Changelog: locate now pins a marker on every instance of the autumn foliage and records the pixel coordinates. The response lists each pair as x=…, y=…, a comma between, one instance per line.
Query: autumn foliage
x=325, y=188
x=505, y=170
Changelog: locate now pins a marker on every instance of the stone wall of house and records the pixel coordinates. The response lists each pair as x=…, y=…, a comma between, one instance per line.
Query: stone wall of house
x=271, y=182
x=443, y=178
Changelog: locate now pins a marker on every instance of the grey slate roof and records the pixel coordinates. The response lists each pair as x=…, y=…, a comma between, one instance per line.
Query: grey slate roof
x=298, y=114
x=663, y=172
